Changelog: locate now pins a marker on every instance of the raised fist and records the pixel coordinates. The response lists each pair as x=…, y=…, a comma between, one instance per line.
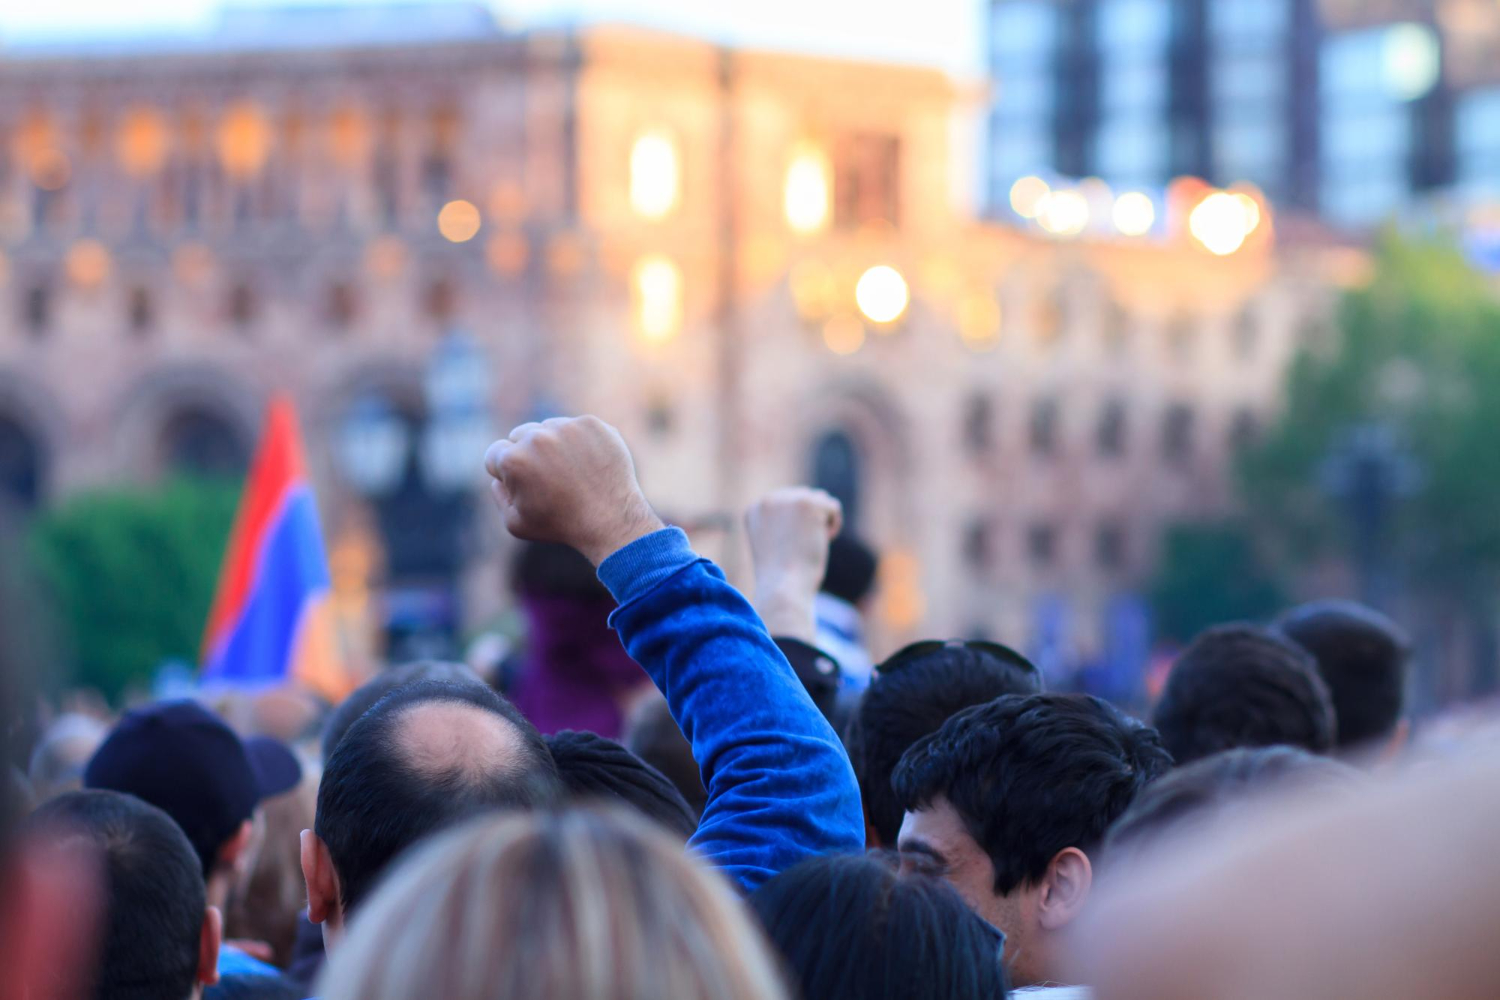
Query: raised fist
x=789, y=532
x=570, y=480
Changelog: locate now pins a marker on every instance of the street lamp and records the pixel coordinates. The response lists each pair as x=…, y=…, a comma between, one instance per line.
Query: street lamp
x=373, y=445
x=460, y=423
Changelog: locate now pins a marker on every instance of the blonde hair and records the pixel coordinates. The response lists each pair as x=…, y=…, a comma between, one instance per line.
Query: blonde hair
x=578, y=905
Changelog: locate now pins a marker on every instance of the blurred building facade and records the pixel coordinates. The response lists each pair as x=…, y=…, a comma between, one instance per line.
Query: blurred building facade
x=1358, y=110
x=749, y=262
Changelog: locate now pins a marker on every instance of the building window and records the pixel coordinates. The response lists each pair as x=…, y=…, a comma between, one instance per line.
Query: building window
x=1244, y=429
x=36, y=309
x=867, y=180
x=836, y=470
x=242, y=306
x=1111, y=434
x=1109, y=546
x=202, y=443
x=1041, y=545
x=1177, y=434
x=140, y=311
x=979, y=546
x=20, y=465
x=341, y=305
x=979, y=424
x=1044, y=430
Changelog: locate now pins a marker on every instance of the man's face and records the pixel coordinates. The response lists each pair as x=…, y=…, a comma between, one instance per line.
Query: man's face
x=934, y=840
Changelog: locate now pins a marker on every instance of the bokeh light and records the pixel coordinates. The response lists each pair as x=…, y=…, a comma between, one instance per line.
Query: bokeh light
x=87, y=264
x=459, y=221
x=1221, y=223
x=1064, y=213
x=979, y=321
x=1412, y=61
x=142, y=141
x=655, y=175
x=814, y=288
x=1026, y=196
x=882, y=294
x=844, y=334
x=657, y=287
x=243, y=140
x=1134, y=213
x=50, y=169
x=806, y=194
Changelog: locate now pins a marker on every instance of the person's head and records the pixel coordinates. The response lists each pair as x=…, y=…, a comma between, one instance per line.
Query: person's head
x=1210, y=789
x=364, y=697
x=425, y=757
x=578, y=905
x=1010, y=800
x=268, y=906
x=550, y=569
x=909, y=698
x=1243, y=686
x=183, y=759
x=159, y=939
x=593, y=768
x=62, y=753
x=1362, y=656
x=654, y=736
x=852, y=566
x=857, y=927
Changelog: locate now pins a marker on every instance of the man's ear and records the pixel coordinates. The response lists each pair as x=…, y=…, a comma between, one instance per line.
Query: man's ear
x=1065, y=889
x=234, y=848
x=209, y=940
x=322, y=882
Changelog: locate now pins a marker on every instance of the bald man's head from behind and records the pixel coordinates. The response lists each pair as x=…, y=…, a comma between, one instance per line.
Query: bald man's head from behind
x=423, y=758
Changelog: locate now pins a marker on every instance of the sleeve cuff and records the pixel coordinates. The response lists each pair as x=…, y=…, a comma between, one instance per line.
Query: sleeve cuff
x=645, y=563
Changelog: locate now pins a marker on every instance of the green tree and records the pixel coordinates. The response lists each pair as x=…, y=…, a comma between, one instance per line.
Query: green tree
x=1210, y=574
x=130, y=575
x=1416, y=350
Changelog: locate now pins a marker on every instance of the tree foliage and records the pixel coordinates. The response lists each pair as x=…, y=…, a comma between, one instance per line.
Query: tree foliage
x=130, y=575
x=1210, y=574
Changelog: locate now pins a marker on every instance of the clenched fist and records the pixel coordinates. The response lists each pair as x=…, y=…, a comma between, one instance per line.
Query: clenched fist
x=789, y=533
x=570, y=480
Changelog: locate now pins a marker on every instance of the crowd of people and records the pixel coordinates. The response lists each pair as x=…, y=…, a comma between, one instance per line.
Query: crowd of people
x=693, y=793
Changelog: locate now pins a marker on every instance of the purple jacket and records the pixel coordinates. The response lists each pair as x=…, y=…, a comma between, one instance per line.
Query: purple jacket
x=574, y=672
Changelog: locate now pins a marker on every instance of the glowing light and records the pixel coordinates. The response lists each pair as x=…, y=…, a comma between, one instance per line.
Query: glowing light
x=806, y=195
x=1134, y=213
x=1412, y=60
x=1221, y=223
x=844, y=334
x=142, y=142
x=1027, y=195
x=348, y=137
x=1251, y=208
x=458, y=221
x=881, y=294
x=657, y=284
x=655, y=175
x=1064, y=213
x=814, y=289
x=979, y=321
x=243, y=140
x=87, y=263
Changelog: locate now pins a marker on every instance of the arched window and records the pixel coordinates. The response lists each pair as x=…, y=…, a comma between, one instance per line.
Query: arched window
x=20, y=465
x=200, y=442
x=836, y=469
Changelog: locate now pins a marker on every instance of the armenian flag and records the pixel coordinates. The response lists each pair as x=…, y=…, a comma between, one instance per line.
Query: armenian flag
x=271, y=621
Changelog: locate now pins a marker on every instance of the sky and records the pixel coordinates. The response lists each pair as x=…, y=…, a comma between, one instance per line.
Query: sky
x=942, y=33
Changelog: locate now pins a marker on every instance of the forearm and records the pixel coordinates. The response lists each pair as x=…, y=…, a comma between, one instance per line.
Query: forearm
x=779, y=783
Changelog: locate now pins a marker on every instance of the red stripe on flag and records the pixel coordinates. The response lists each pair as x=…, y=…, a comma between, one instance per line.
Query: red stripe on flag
x=276, y=469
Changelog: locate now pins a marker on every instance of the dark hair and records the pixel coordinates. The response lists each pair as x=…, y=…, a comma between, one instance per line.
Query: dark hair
x=373, y=803
x=594, y=768
x=1243, y=686
x=853, y=926
x=905, y=705
x=1214, y=785
x=550, y=569
x=1361, y=655
x=254, y=986
x=1031, y=775
x=153, y=886
x=654, y=736
x=851, y=569
x=367, y=694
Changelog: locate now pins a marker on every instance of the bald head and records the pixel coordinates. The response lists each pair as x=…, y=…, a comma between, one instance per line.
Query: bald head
x=424, y=757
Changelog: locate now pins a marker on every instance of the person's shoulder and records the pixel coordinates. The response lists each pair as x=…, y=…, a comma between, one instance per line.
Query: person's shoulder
x=1055, y=992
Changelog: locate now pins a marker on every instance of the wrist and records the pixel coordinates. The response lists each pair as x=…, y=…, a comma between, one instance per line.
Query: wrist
x=636, y=524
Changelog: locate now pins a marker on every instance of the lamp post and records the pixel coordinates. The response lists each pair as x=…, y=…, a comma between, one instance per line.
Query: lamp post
x=1368, y=471
x=419, y=471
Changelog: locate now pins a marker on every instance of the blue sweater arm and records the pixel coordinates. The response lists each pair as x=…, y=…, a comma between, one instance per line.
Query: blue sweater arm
x=780, y=788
